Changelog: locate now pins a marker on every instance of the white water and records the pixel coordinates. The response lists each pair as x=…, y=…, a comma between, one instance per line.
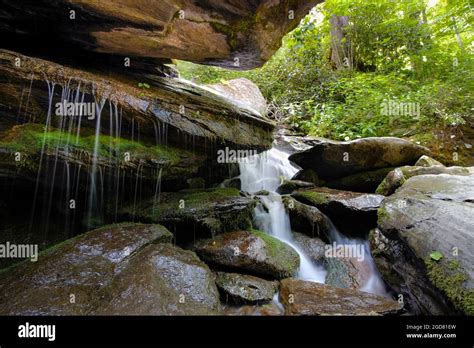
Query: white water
x=265, y=172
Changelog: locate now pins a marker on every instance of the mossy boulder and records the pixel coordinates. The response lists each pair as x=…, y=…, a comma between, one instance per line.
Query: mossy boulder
x=252, y=252
x=194, y=214
x=288, y=186
x=241, y=288
x=429, y=215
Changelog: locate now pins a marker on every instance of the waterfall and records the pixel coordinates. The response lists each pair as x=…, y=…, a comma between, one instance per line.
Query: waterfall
x=265, y=172
x=374, y=283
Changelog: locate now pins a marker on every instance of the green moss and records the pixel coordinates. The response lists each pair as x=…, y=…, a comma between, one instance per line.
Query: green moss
x=449, y=276
x=29, y=139
x=382, y=214
x=316, y=198
x=278, y=250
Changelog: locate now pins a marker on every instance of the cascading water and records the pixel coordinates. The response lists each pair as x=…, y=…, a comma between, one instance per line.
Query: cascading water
x=265, y=172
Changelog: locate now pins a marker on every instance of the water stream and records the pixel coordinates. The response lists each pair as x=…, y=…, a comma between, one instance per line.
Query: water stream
x=266, y=172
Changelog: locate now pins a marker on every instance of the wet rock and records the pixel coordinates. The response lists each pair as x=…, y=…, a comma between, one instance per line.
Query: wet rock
x=333, y=159
x=162, y=280
x=307, y=219
x=288, y=186
x=301, y=297
x=426, y=161
x=214, y=32
x=245, y=91
x=240, y=288
x=192, y=214
x=398, y=176
x=262, y=310
x=84, y=266
x=347, y=272
x=352, y=212
x=424, y=249
x=308, y=175
x=360, y=182
x=208, y=117
x=312, y=247
x=252, y=252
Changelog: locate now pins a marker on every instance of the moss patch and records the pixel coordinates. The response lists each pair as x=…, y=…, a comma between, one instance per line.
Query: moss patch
x=449, y=276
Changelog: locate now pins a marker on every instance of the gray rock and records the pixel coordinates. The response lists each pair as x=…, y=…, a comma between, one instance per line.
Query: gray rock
x=162, y=280
x=398, y=176
x=353, y=213
x=240, y=288
x=429, y=213
x=307, y=219
x=288, y=186
x=122, y=269
x=245, y=91
x=426, y=161
x=312, y=247
x=251, y=252
x=333, y=159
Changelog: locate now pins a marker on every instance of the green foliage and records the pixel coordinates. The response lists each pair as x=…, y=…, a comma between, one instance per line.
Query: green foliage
x=412, y=52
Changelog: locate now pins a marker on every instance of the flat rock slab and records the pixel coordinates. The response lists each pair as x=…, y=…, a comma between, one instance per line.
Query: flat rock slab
x=334, y=159
x=250, y=252
x=241, y=288
x=301, y=297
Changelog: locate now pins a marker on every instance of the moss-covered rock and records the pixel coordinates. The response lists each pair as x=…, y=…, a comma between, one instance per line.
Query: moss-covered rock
x=253, y=252
x=194, y=214
x=426, y=161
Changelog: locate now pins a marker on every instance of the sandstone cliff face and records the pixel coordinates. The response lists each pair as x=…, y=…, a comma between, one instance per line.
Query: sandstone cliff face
x=234, y=34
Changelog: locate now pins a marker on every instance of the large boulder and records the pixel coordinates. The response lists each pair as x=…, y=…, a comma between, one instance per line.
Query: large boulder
x=194, y=214
x=353, y=213
x=212, y=32
x=332, y=159
x=398, y=176
x=83, y=275
x=242, y=288
x=162, y=279
x=244, y=91
x=301, y=297
x=251, y=252
x=425, y=243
